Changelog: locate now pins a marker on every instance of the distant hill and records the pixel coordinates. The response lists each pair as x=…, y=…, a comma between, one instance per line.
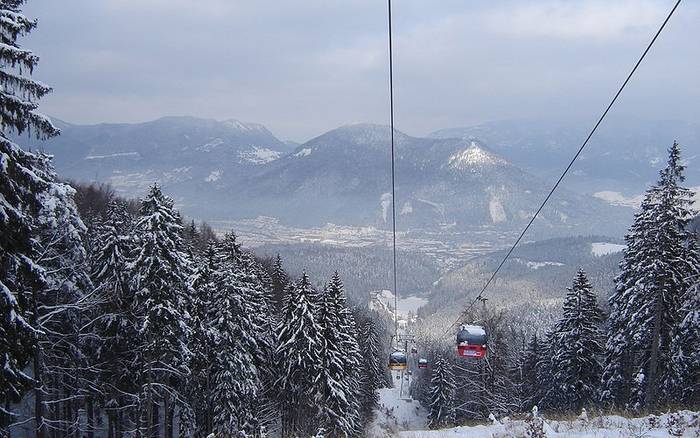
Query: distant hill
x=536, y=272
x=623, y=156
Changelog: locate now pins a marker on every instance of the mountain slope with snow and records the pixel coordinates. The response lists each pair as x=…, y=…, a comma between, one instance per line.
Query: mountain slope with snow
x=234, y=170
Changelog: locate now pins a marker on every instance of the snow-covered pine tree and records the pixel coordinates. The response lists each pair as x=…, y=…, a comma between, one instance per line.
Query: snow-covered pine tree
x=298, y=346
x=62, y=305
x=442, y=395
x=658, y=267
x=280, y=281
x=531, y=358
x=236, y=381
x=252, y=278
x=685, y=380
x=199, y=387
x=21, y=179
x=337, y=395
x=548, y=395
x=160, y=273
x=577, y=346
x=372, y=373
x=115, y=326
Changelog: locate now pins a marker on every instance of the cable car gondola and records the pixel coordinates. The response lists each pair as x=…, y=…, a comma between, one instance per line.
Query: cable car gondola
x=422, y=363
x=398, y=361
x=471, y=342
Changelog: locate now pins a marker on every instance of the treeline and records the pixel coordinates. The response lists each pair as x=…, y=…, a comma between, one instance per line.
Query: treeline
x=365, y=267
x=642, y=356
x=140, y=326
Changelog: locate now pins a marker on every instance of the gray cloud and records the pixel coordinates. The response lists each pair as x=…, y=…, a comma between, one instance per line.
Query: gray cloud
x=305, y=66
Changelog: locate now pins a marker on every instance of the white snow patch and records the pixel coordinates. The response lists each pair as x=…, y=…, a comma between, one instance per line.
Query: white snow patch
x=473, y=156
x=117, y=155
x=208, y=147
x=213, y=176
x=259, y=155
x=303, y=153
x=537, y=265
x=617, y=198
x=385, y=202
x=407, y=208
x=384, y=300
x=397, y=412
x=610, y=426
x=498, y=214
x=599, y=249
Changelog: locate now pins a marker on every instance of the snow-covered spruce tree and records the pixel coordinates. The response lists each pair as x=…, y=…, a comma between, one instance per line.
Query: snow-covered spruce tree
x=115, y=324
x=658, y=267
x=236, y=381
x=62, y=304
x=280, y=281
x=548, y=395
x=160, y=271
x=530, y=369
x=299, y=345
x=337, y=395
x=199, y=387
x=577, y=346
x=442, y=395
x=21, y=179
x=371, y=368
x=685, y=362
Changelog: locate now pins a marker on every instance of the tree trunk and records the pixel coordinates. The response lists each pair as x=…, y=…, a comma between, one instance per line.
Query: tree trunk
x=90, y=412
x=167, y=418
x=38, y=377
x=111, y=423
x=118, y=423
x=651, y=384
x=155, y=418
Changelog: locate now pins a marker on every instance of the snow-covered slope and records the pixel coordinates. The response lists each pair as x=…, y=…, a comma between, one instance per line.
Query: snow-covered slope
x=683, y=424
x=397, y=412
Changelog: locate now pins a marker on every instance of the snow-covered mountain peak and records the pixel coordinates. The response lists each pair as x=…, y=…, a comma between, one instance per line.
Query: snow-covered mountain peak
x=474, y=156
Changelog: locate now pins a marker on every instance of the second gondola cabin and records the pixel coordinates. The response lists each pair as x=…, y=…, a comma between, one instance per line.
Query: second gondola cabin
x=472, y=342
x=422, y=363
x=398, y=361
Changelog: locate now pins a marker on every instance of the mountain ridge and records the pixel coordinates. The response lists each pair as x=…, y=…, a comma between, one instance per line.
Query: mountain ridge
x=230, y=170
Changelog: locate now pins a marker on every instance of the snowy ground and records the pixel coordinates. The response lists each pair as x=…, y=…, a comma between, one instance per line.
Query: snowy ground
x=397, y=412
x=683, y=424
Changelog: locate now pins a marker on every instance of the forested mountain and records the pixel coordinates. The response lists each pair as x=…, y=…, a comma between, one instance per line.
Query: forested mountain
x=532, y=276
x=187, y=155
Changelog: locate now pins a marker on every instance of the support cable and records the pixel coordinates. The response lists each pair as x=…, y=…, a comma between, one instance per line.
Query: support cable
x=571, y=163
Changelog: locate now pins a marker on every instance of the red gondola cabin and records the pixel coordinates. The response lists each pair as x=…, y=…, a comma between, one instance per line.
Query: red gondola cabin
x=471, y=342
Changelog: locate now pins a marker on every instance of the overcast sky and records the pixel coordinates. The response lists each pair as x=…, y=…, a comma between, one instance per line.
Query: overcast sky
x=306, y=66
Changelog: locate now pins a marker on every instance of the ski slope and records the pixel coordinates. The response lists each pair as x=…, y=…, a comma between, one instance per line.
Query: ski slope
x=396, y=412
x=683, y=424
